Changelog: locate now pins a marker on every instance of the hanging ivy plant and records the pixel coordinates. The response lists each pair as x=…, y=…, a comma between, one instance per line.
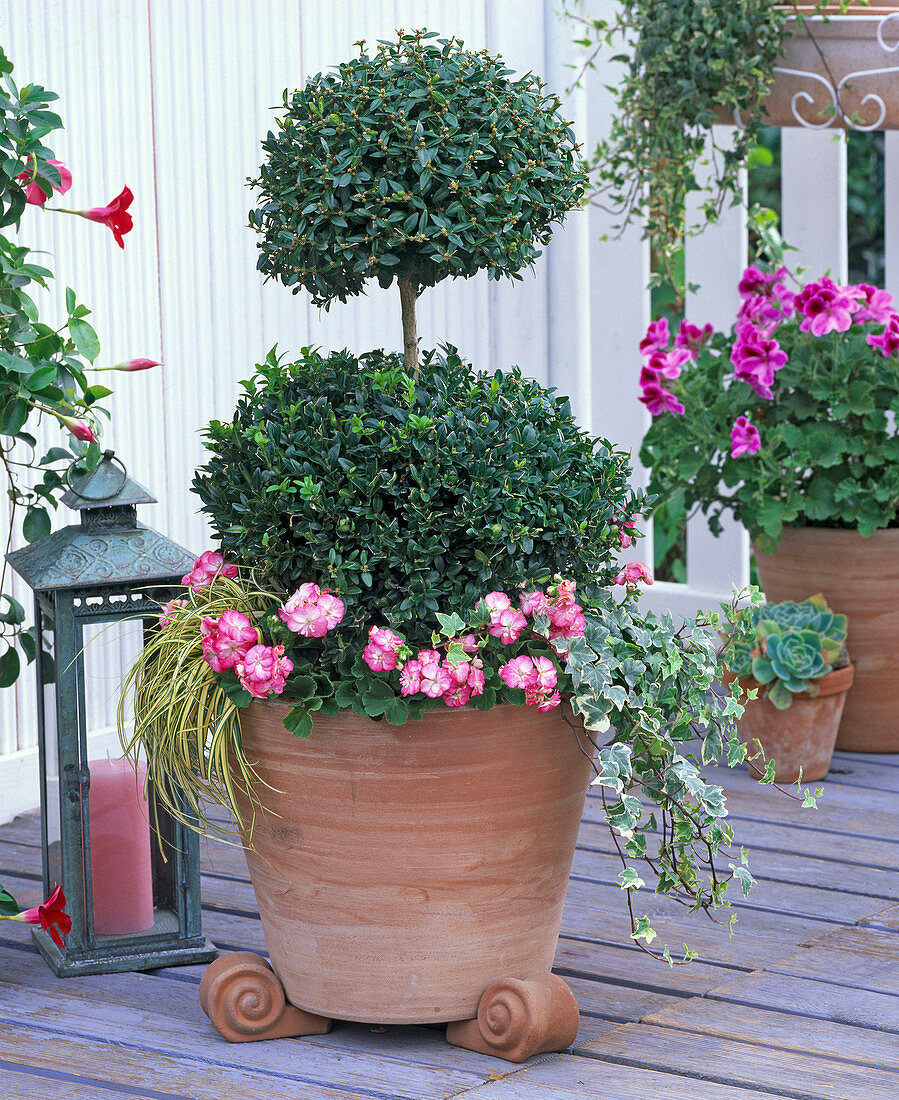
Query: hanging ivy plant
x=688, y=64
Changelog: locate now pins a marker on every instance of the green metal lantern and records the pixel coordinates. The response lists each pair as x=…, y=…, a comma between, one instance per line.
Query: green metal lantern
x=134, y=900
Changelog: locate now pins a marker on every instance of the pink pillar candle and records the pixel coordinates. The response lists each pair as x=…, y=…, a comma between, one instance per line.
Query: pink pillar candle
x=121, y=870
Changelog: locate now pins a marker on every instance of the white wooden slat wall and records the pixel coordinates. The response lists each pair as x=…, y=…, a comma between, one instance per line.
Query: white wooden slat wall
x=174, y=99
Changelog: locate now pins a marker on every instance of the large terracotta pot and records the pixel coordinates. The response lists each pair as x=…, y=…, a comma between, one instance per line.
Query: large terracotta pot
x=403, y=870
x=859, y=577
x=802, y=736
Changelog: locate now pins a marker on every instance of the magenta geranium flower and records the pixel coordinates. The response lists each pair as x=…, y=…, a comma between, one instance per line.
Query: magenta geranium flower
x=691, y=337
x=656, y=338
x=745, y=438
x=659, y=400
x=668, y=363
x=756, y=358
x=888, y=340
x=875, y=305
x=825, y=307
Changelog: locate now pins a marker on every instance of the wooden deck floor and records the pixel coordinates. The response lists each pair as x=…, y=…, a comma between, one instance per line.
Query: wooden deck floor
x=802, y=1002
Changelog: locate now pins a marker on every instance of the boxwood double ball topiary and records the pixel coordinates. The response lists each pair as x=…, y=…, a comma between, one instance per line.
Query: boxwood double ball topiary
x=409, y=497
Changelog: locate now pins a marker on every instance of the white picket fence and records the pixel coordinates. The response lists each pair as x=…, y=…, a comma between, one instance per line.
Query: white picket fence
x=173, y=99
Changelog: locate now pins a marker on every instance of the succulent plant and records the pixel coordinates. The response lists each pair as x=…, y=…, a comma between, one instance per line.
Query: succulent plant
x=788, y=646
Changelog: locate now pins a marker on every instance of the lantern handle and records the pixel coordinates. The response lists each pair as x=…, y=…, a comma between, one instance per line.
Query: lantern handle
x=109, y=456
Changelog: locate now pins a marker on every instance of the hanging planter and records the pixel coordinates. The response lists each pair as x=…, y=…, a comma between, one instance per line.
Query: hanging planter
x=838, y=70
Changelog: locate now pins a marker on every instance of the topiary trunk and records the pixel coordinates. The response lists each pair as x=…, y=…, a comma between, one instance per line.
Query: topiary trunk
x=408, y=294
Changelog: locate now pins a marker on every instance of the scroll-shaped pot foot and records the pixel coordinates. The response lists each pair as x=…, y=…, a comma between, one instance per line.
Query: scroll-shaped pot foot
x=243, y=997
x=519, y=1018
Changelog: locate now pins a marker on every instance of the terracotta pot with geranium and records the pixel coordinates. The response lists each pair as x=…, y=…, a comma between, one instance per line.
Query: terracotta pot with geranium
x=403, y=664
x=788, y=422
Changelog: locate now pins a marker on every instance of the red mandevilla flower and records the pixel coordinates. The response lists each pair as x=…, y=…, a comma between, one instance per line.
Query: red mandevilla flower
x=115, y=215
x=34, y=193
x=51, y=916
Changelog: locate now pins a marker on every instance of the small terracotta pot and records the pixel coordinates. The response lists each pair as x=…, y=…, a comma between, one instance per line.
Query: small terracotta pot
x=859, y=577
x=802, y=736
x=404, y=869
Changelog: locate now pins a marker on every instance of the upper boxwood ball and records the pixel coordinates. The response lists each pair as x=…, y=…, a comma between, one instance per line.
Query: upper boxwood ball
x=422, y=160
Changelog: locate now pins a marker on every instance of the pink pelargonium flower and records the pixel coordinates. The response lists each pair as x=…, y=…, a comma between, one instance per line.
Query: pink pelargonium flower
x=166, y=612
x=825, y=307
x=497, y=601
x=546, y=677
x=264, y=670
x=632, y=574
x=209, y=565
x=435, y=676
x=691, y=338
x=532, y=603
x=33, y=191
x=548, y=702
x=520, y=672
x=381, y=652
x=115, y=215
x=410, y=678
x=888, y=340
x=625, y=539
x=311, y=612
x=507, y=625
x=656, y=338
x=457, y=696
x=227, y=639
x=875, y=306
x=80, y=429
x=745, y=438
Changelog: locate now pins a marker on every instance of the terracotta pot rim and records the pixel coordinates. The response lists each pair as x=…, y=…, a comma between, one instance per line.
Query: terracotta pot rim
x=834, y=683
x=881, y=533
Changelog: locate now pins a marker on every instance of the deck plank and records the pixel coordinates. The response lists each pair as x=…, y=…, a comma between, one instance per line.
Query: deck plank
x=734, y=1063
x=783, y=1030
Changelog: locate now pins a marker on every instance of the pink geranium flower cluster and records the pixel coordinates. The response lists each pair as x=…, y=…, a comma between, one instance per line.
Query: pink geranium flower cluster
x=458, y=676
x=227, y=639
x=536, y=676
x=263, y=670
x=384, y=649
x=206, y=568
x=633, y=574
x=439, y=678
x=312, y=611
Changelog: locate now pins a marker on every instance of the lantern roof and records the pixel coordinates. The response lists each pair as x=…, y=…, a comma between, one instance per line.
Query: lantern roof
x=109, y=547
x=107, y=485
